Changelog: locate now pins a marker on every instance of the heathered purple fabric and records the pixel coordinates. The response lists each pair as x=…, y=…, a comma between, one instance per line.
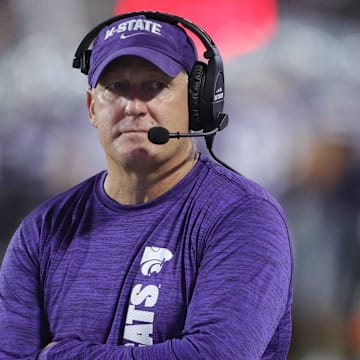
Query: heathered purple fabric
x=202, y=272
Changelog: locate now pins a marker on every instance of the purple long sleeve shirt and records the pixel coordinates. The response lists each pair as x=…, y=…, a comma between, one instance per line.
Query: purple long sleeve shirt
x=202, y=272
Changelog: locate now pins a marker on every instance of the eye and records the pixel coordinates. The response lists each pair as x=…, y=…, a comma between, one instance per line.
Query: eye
x=118, y=87
x=152, y=88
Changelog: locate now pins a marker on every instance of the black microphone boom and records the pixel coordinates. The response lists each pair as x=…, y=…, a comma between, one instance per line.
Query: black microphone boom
x=159, y=135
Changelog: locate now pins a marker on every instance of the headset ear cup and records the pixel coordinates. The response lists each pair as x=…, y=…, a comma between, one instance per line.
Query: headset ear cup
x=196, y=86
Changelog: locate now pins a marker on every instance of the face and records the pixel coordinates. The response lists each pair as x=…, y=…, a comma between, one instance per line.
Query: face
x=131, y=97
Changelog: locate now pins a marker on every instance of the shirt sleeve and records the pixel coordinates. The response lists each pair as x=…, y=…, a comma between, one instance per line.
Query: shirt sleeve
x=242, y=291
x=23, y=327
x=243, y=287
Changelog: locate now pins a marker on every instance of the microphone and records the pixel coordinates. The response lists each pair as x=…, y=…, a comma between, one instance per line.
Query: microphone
x=160, y=135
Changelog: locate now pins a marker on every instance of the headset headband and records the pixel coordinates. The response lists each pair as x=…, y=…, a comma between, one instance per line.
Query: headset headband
x=211, y=49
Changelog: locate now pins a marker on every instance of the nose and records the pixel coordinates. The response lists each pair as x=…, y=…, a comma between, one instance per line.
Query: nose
x=135, y=106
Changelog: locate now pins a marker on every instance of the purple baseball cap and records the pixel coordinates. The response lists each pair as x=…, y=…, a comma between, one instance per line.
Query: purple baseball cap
x=165, y=45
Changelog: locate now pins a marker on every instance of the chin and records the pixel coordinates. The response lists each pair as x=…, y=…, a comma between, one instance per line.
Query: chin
x=140, y=153
x=133, y=147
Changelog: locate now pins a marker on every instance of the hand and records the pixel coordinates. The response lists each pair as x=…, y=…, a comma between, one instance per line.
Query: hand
x=44, y=351
x=50, y=345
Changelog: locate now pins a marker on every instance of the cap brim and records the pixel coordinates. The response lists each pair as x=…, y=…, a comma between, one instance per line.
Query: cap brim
x=166, y=64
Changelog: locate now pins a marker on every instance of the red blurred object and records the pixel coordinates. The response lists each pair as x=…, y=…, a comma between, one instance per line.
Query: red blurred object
x=236, y=26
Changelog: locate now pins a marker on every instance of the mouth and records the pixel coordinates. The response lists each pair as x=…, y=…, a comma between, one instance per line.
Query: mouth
x=134, y=131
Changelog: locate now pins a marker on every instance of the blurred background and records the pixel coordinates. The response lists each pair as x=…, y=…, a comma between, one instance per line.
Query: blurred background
x=293, y=96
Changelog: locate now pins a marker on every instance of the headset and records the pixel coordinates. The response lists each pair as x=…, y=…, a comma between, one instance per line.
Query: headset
x=206, y=80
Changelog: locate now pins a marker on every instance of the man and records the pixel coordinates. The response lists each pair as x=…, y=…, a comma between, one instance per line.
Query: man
x=166, y=254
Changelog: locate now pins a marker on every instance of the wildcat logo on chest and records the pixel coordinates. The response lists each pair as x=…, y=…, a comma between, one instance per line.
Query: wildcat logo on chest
x=154, y=259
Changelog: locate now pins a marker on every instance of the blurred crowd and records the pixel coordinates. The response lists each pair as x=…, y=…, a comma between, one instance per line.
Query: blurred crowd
x=294, y=112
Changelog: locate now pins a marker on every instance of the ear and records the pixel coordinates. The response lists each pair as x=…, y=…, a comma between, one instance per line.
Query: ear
x=90, y=107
